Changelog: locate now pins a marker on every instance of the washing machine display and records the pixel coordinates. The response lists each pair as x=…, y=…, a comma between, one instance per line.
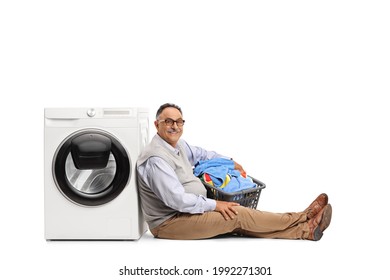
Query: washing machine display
x=91, y=168
x=90, y=190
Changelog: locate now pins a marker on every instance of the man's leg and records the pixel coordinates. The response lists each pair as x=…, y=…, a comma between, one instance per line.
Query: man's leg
x=248, y=222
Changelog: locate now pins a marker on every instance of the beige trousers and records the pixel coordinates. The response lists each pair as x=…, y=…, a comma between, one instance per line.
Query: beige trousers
x=247, y=222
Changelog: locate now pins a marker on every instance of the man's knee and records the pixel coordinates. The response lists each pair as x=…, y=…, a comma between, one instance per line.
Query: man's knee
x=243, y=212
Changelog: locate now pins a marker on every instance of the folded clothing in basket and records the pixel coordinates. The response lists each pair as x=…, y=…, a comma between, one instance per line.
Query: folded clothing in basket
x=220, y=172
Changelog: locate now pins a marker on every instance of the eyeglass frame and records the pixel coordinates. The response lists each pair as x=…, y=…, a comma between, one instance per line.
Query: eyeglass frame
x=172, y=122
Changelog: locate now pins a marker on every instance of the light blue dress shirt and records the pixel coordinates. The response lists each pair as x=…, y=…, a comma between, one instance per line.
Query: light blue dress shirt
x=163, y=181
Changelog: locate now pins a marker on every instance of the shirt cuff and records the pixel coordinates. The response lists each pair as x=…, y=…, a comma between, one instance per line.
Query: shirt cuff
x=210, y=205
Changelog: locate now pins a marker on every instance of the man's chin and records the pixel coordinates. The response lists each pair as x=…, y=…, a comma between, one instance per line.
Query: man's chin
x=173, y=139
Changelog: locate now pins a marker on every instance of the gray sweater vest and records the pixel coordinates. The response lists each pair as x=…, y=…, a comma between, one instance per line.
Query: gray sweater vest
x=155, y=211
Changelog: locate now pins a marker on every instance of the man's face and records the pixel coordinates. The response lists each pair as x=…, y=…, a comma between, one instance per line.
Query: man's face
x=170, y=133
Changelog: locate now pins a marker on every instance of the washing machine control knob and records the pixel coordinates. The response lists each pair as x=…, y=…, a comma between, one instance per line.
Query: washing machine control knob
x=91, y=113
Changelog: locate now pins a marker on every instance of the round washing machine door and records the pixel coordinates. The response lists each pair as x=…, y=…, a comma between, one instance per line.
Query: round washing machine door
x=91, y=167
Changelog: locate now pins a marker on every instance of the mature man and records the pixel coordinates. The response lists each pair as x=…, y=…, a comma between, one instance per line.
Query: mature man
x=175, y=204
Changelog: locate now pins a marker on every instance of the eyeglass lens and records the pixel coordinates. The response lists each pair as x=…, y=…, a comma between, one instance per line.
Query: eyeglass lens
x=170, y=122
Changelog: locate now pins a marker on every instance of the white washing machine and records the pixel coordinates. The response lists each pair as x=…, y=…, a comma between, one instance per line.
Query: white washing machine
x=90, y=186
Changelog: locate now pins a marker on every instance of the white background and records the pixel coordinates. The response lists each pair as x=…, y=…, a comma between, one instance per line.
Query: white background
x=296, y=91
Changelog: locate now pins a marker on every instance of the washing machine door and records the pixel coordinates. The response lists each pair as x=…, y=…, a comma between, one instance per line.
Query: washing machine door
x=91, y=167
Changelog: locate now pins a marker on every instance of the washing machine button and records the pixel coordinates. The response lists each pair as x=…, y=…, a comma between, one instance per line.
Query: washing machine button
x=91, y=113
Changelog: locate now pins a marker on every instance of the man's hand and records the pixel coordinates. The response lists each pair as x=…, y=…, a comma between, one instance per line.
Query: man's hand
x=226, y=209
x=238, y=167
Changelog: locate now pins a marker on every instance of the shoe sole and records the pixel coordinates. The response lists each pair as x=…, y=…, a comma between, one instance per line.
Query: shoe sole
x=317, y=234
x=326, y=217
x=325, y=221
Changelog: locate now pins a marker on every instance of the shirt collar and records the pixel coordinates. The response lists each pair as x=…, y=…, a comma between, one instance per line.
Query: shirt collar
x=166, y=145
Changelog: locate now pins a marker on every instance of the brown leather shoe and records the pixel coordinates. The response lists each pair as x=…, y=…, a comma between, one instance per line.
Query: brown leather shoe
x=320, y=223
x=316, y=206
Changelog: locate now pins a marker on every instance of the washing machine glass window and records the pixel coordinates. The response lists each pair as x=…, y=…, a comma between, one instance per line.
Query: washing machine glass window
x=91, y=167
x=90, y=181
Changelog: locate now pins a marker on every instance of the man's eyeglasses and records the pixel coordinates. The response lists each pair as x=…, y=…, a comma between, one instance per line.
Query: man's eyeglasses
x=170, y=122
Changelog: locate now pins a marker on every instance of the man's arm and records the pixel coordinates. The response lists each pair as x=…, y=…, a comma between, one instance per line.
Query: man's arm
x=196, y=154
x=163, y=181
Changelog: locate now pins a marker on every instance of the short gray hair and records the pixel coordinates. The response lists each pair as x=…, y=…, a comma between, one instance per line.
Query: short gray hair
x=167, y=105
